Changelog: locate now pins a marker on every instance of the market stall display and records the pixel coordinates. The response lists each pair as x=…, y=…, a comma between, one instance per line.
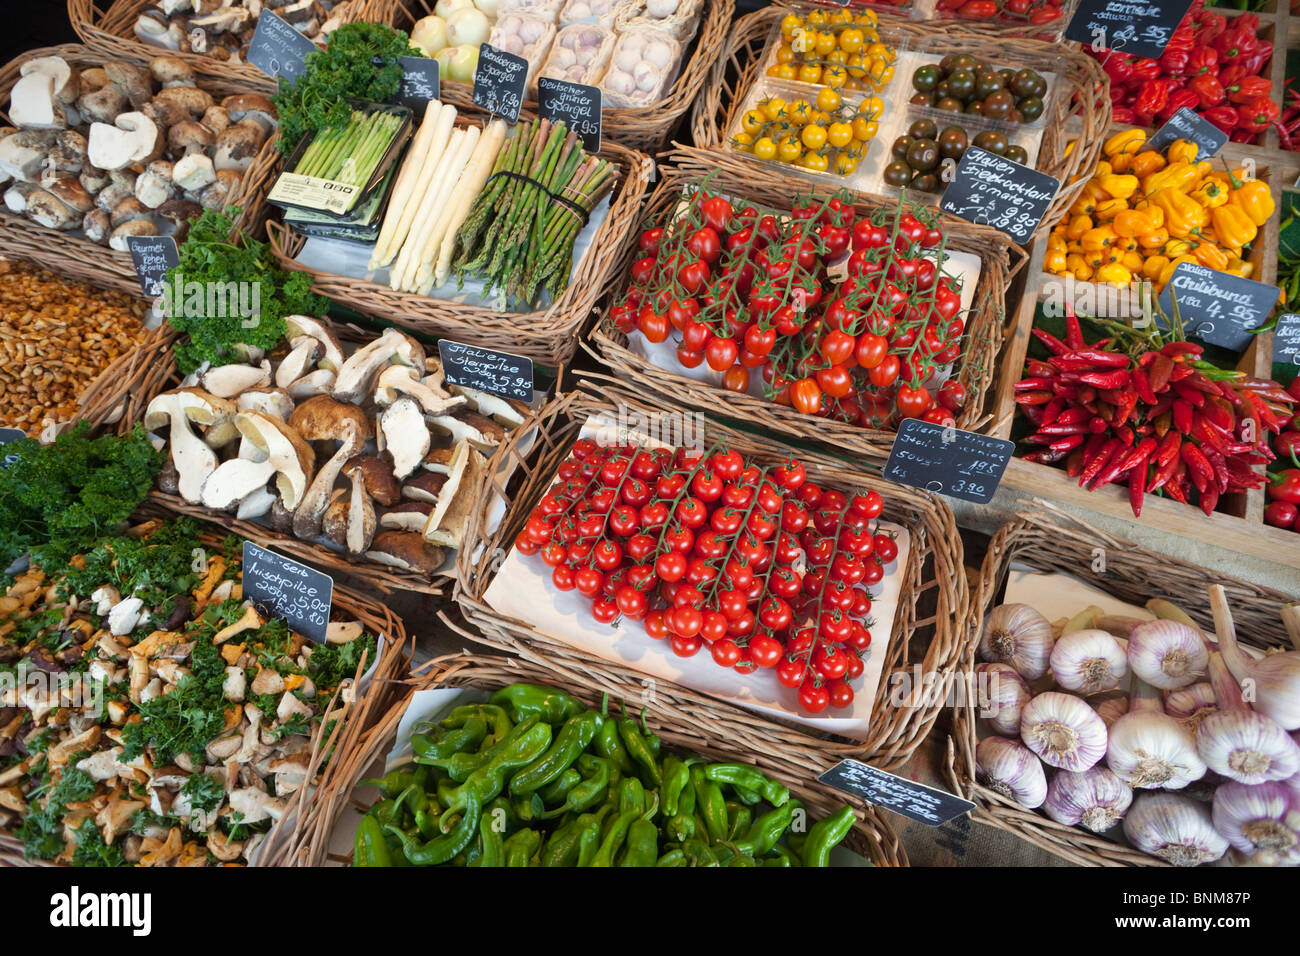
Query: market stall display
x=1123, y=687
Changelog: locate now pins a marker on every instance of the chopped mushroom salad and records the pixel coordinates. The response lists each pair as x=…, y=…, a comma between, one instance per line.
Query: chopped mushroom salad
x=149, y=715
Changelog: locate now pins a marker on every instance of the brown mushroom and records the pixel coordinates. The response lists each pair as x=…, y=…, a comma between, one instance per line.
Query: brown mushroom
x=407, y=551
x=380, y=482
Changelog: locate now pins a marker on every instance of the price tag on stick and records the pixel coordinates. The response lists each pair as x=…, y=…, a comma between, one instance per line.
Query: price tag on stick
x=510, y=376
x=1133, y=27
x=916, y=801
x=575, y=103
x=421, y=82
x=992, y=191
x=499, y=82
x=277, y=49
x=1217, y=307
x=152, y=256
x=948, y=461
x=1185, y=124
x=1286, y=341
x=299, y=595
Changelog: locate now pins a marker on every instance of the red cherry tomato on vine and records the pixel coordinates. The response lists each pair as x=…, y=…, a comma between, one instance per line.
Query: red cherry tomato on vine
x=813, y=696
x=886, y=373
x=726, y=653
x=765, y=651
x=721, y=353
x=806, y=396
x=840, y=694
x=685, y=646
x=791, y=672
x=913, y=402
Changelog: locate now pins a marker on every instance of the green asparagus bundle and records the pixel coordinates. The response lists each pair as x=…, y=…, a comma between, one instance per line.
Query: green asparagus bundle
x=520, y=232
x=350, y=154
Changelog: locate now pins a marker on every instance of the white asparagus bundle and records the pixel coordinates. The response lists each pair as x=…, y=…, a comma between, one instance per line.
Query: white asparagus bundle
x=442, y=191
x=435, y=264
x=412, y=180
x=398, y=277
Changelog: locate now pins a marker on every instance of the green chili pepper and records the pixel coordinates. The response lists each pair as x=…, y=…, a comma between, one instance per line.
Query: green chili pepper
x=491, y=848
x=527, y=809
x=698, y=853
x=572, y=740
x=614, y=838
x=781, y=856
x=562, y=849
x=741, y=860
x=395, y=851
x=642, y=847
x=444, y=790
x=368, y=847
x=392, y=783
x=547, y=703
x=556, y=791
x=528, y=740
x=676, y=778
x=824, y=835
x=608, y=745
x=767, y=829
x=631, y=796
x=447, y=742
x=738, y=817
x=588, y=844
x=672, y=858
x=749, y=778
x=595, y=784
x=680, y=827
x=459, y=766
x=386, y=812
x=521, y=848
x=444, y=847
x=748, y=797
x=710, y=804
x=496, y=717
x=638, y=748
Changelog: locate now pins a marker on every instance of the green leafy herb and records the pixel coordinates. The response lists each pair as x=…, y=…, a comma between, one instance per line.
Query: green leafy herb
x=42, y=829
x=344, y=70
x=187, y=718
x=224, y=264
x=331, y=663
x=204, y=792
x=93, y=851
x=55, y=500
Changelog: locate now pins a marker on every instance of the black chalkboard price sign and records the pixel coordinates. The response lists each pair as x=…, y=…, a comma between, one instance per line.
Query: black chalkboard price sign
x=992, y=191
x=152, y=256
x=575, y=103
x=499, y=82
x=1286, y=342
x=1217, y=307
x=948, y=461
x=1131, y=27
x=8, y=435
x=510, y=376
x=299, y=595
x=1185, y=124
x=277, y=49
x=421, y=82
x=916, y=801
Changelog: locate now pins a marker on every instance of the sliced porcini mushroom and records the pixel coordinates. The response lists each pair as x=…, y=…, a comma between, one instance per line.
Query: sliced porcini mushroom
x=193, y=459
x=406, y=437
x=409, y=516
x=235, y=685
x=306, y=326
x=170, y=71
x=237, y=145
x=311, y=509
x=397, y=380
x=151, y=25
x=381, y=484
x=105, y=597
x=321, y=418
x=291, y=706
x=343, y=632
x=23, y=154
x=96, y=226
x=68, y=156
x=268, y=681
x=216, y=119
x=189, y=136
x=450, y=517
x=274, y=402
x=334, y=523
x=439, y=461
x=229, y=381
x=155, y=185
x=312, y=384
x=357, y=374
x=423, y=486
x=253, y=107
x=287, y=458
x=256, y=505
x=117, y=239
x=45, y=88
x=177, y=104
x=255, y=805
x=361, y=516
x=102, y=105
x=300, y=360
x=507, y=411
x=192, y=172
x=16, y=197
x=46, y=209
x=133, y=138
x=470, y=427
x=407, y=551
x=130, y=79
x=124, y=616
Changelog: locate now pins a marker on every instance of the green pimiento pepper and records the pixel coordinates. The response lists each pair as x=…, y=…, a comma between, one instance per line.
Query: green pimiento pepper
x=710, y=804
x=527, y=809
x=445, y=743
x=738, y=817
x=767, y=829
x=444, y=847
x=395, y=781
x=677, y=776
x=562, y=849
x=642, y=848
x=742, y=777
x=459, y=766
x=608, y=744
x=698, y=853
x=532, y=700
x=368, y=848
x=781, y=856
x=638, y=748
x=386, y=812
x=497, y=718
x=680, y=827
x=572, y=740
x=595, y=785
x=555, y=791
x=824, y=835
x=521, y=848
x=672, y=858
x=614, y=838
x=491, y=847
x=524, y=744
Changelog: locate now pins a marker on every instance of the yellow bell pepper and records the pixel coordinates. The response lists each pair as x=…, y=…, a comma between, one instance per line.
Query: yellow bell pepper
x=1054, y=261
x=1122, y=163
x=1210, y=256
x=1238, y=267
x=1096, y=259
x=1167, y=272
x=1153, y=266
x=1254, y=199
x=1056, y=241
x=1154, y=239
x=1145, y=163
x=1132, y=261
x=1119, y=187
x=1103, y=169
x=1126, y=243
x=1127, y=142
x=1078, y=268
x=1183, y=214
x=1131, y=222
x=1077, y=226
x=1177, y=247
x=1115, y=274
x=1098, y=238
x=1175, y=176
x=1233, y=227
x=1212, y=191
x=1108, y=210
x=1182, y=151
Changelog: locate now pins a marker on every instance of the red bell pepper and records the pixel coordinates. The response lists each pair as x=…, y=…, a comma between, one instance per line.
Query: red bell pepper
x=1223, y=116
x=1285, y=486
x=1207, y=90
x=1203, y=59
x=1248, y=88
x=1152, y=98
x=1256, y=114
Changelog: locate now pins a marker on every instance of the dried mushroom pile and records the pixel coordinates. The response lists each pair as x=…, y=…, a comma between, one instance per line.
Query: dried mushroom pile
x=222, y=29
x=154, y=717
x=368, y=452
x=56, y=337
x=124, y=150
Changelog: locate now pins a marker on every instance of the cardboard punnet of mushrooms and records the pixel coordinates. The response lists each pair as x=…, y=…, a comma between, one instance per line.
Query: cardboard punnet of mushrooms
x=366, y=450
x=125, y=150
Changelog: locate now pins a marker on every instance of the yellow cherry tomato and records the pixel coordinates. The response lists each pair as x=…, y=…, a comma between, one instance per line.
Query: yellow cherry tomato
x=816, y=162
x=851, y=40
x=839, y=134
x=835, y=76
x=864, y=129
x=866, y=18
x=789, y=23
x=852, y=84
x=810, y=73
x=828, y=100
x=752, y=121
x=764, y=148
x=813, y=136
x=837, y=56
x=871, y=107
x=743, y=142
x=816, y=18
x=785, y=71
x=885, y=76
x=785, y=53
x=846, y=164
x=825, y=42
x=772, y=107
x=857, y=66
x=788, y=148
x=840, y=17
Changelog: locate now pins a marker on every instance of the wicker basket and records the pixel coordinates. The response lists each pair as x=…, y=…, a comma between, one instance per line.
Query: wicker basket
x=647, y=128
x=548, y=337
x=79, y=257
x=1083, y=96
x=108, y=27
x=871, y=836
x=311, y=809
x=999, y=257
x=1056, y=542
x=926, y=645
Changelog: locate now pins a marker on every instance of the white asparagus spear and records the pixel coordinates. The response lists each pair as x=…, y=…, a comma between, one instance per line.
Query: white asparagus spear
x=407, y=176
x=406, y=259
x=471, y=184
x=401, y=208
x=433, y=237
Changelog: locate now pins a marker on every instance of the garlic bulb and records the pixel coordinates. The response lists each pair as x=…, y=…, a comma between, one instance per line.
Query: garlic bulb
x=1192, y=704
x=1264, y=817
x=1174, y=828
x=1004, y=694
x=1149, y=749
x=1166, y=654
x=1238, y=742
x=1018, y=635
x=1063, y=730
x=1088, y=661
x=1011, y=769
x=1275, y=678
x=1096, y=798
x=1111, y=709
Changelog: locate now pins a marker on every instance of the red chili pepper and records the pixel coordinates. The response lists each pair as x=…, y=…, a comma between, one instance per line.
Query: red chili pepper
x=1116, y=379
x=1222, y=116
x=1123, y=115
x=1053, y=344
x=1203, y=59
x=1168, y=449
x=1182, y=416
x=1075, y=414
x=1068, y=443
x=1201, y=471
x=1068, y=428
x=1209, y=499
x=1207, y=90
x=1187, y=393
x=1264, y=413
x=1257, y=114
x=1052, y=410
x=1142, y=385
x=1175, y=349
x=1137, y=479
x=1033, y=398
x=1164, y=472
x=1161, y=367
x=1074, y=464
x=1220, y=466
x=1032, y=384
x=1112, y=469
x=1099, y=357
x=1285, y=486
